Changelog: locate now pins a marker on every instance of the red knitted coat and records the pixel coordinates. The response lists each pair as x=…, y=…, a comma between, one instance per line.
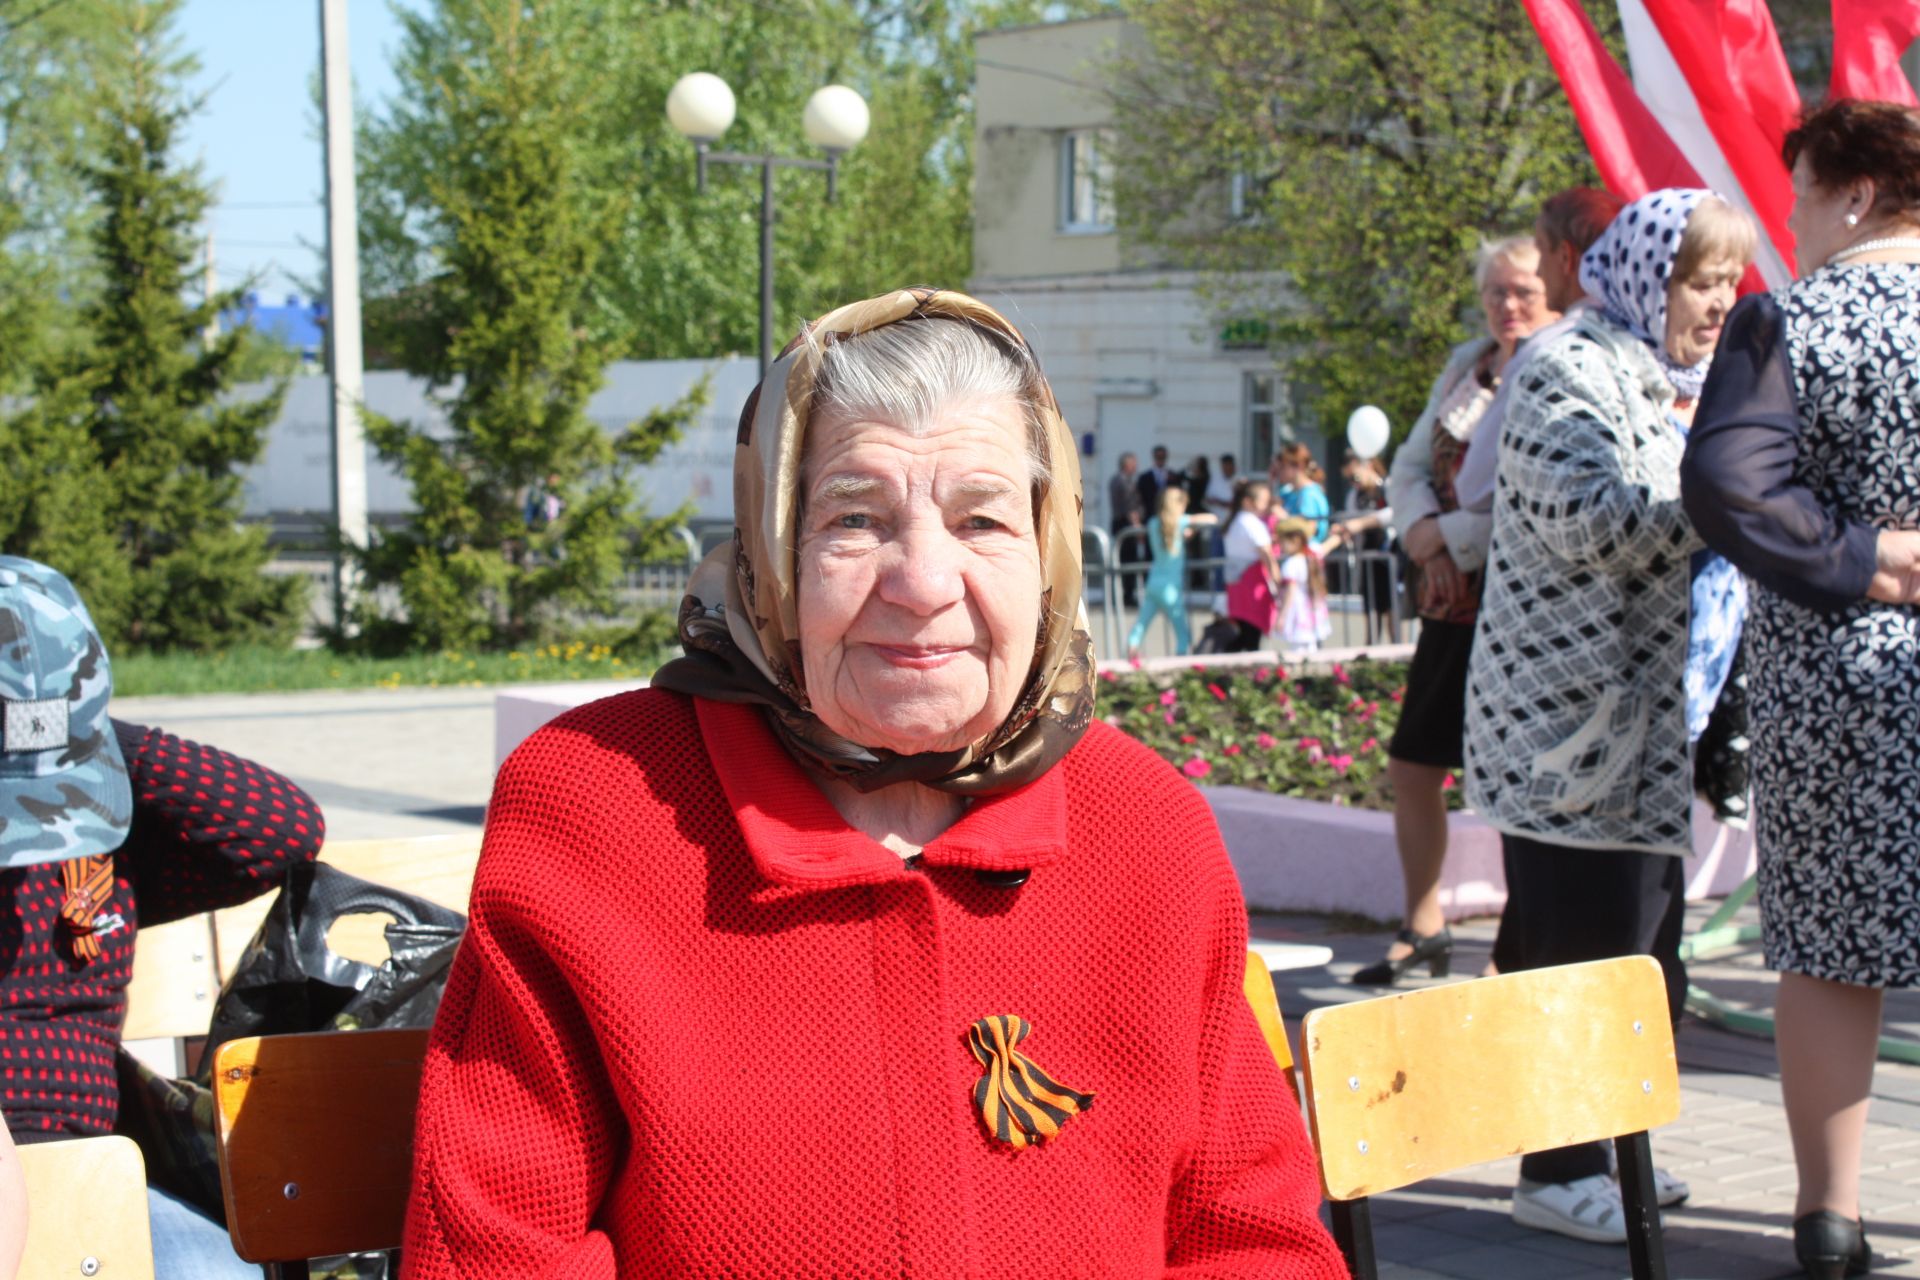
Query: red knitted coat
x=700, y=1026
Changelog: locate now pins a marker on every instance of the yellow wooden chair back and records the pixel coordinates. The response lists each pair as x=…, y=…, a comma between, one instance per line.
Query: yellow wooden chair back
x=1258, y=984
x=316, y=1140
x=86, y=1211
x=1424, y=1082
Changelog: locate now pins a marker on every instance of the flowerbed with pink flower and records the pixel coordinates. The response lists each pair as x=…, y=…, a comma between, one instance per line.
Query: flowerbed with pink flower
x=1315, y=736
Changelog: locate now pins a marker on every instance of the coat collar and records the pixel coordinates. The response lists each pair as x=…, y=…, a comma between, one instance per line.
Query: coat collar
x=799, y=840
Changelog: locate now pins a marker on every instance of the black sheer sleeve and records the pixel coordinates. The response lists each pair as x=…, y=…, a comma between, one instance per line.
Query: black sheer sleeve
x=1738, y=478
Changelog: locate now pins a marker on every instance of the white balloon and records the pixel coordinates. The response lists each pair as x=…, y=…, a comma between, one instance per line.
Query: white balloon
x=1367, y=431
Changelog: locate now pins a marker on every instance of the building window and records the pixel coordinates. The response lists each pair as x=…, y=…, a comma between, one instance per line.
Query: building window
x=1240, y=193
x=1260, y=431
x=1086, y=180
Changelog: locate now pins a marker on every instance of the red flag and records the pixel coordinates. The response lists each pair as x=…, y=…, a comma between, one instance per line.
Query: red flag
x=1868, y=38
x=1634, y=154
x=1732, y=62
x=1632, y=151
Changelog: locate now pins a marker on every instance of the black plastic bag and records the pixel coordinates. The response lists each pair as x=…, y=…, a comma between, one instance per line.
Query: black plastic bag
x=288, y=980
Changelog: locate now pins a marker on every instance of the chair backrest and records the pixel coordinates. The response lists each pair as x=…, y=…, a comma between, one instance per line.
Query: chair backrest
x=86, y=1210
x=1258, y=984
x=178, y=967
x=1417, y=1084
x=316, y=1140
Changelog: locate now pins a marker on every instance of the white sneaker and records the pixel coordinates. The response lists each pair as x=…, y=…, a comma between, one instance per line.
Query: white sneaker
x=1587, y=1209
x=1669, y=1189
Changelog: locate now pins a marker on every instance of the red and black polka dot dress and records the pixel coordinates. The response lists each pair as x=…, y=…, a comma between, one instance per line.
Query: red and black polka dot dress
x=209, y=830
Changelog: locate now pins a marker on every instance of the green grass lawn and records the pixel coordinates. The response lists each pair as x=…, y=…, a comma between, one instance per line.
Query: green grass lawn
x=280, y=670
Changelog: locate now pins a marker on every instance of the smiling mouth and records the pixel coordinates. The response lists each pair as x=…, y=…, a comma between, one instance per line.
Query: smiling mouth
x=919, y=657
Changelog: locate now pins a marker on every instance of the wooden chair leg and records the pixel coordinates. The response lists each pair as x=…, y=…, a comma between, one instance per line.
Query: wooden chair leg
x=1353, y=1232
x=286, y=1270
x=1645, y=1248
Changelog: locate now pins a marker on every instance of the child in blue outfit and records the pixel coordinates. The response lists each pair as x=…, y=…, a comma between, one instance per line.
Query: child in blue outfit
x=1166, y=590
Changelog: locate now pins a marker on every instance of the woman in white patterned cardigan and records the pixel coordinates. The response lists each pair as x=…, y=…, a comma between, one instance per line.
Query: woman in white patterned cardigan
x=1576, y=733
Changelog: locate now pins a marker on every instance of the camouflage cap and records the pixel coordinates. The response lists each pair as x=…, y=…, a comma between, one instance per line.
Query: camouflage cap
x=63, y=784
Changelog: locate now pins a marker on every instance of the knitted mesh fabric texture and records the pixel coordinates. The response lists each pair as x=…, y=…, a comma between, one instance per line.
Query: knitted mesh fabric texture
x=209, y=830
x=698, y=1027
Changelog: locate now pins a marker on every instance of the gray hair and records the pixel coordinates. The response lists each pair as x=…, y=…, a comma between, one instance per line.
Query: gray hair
x=910, y=371
x=1521, y=251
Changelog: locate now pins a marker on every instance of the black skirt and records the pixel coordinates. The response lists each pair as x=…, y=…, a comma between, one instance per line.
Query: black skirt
x=1433, y=714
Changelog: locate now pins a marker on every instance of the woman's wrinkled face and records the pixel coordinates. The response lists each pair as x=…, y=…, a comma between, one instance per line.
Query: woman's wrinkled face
x=918, y=576
x=1697, y=307
x=1515, y=302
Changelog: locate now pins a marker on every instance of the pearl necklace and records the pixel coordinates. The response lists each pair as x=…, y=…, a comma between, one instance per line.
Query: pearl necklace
x=1872, y=246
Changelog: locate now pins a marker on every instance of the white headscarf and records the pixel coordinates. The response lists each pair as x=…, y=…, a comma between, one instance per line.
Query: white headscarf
x=1630, y=266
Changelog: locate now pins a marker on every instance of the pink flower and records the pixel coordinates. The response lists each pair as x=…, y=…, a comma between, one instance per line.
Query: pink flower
x=1369, y=745
x=1135, y=661
x=1308, y=744
x=1449, y=783
x=1340, y=674
x=1292, y=715
x=1169, y=717
x=1340, y=763
x=1108, y=676
x=1232, y=749
x=1168, y=697
x=1187, y=739
x=1279, y=673
x=1399, y=693
x=1263, y=673
x=1266, y=741
x=1196, y=768
x=1217, y=692
x=1200, y=666
x=1315, y=755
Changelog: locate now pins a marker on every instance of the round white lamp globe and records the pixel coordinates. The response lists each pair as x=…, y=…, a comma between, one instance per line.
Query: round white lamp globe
x=1367, y=431
x=700, y=106
x=836, y=118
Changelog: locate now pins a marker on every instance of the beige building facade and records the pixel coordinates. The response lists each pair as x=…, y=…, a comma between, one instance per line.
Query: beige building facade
x=1134, y=355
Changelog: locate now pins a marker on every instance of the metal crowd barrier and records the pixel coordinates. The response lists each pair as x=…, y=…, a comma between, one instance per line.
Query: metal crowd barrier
x=1366, y=583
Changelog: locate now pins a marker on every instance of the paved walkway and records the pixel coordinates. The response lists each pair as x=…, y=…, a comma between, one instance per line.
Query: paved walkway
x=418, y=761
x=1730, y=1143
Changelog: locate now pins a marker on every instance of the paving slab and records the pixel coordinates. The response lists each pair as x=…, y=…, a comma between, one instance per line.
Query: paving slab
x=1730, y=1141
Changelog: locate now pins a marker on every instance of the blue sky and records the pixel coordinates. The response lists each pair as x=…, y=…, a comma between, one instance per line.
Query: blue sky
x=257, y=136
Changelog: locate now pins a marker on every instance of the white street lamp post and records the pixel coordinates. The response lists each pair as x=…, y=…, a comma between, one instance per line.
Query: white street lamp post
x=701, y=107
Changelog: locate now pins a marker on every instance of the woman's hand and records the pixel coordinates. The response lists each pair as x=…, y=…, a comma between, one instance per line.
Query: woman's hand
x=1443, y=587
x=1424, y=541
x=1896, y=570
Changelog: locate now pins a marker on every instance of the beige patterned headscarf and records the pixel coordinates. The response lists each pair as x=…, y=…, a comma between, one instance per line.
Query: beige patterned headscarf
x=739, y=623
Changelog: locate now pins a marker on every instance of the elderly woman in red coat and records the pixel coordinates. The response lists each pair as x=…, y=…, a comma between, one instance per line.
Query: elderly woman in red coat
x=856, y=946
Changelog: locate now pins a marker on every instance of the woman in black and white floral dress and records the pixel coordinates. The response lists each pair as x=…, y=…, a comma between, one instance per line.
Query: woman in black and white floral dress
x=1803, y=468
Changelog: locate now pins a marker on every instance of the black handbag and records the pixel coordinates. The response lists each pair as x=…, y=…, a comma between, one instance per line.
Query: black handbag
x=289, y=980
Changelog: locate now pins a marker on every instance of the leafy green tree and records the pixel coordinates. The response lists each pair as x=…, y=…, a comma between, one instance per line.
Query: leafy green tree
x=510, y=338
x=167, y=437
x=47, y=56
x=677, y=275
x=1377, y=143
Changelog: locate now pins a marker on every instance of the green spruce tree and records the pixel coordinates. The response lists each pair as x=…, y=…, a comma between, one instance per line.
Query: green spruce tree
x=167, y=435
x=511, y=345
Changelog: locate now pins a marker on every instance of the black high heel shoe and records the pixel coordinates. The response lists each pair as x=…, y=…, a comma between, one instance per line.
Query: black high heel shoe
x=1435, y=950
x=1829, y=1246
